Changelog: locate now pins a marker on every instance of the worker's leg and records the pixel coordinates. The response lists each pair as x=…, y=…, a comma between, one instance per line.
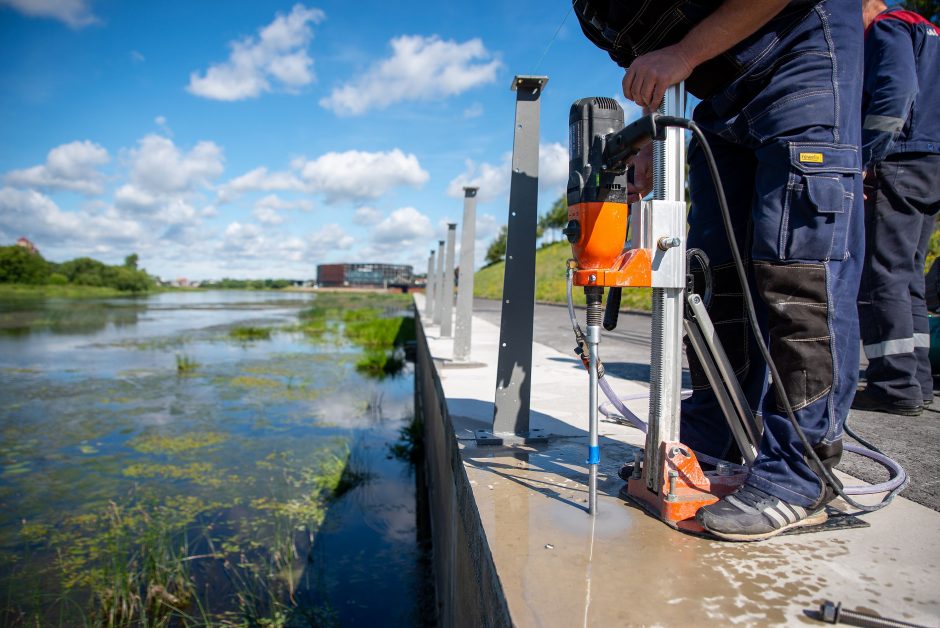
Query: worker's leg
x=892, y=286
x=807, y=259
x=807, y=244
x=899, y=221
x=704, y=427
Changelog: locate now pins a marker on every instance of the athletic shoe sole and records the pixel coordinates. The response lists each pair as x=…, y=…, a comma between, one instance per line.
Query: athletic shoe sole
x=814, y=519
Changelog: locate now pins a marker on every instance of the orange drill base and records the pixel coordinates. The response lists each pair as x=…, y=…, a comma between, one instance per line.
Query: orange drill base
x=678, y=500
x=632, y=269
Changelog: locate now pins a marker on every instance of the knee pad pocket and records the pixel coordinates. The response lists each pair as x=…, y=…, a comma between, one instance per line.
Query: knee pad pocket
x=798, y=324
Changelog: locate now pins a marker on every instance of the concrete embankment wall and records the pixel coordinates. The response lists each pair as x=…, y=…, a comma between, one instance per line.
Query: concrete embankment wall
x=467, y=588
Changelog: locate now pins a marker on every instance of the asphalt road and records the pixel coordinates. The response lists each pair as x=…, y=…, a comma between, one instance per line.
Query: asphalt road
x=912, y=441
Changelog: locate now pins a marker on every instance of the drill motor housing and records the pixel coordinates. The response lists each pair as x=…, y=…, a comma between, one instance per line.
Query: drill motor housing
x=598, y=214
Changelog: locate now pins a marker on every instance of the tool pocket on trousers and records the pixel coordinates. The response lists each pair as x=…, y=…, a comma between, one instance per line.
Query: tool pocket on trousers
x=819, y=202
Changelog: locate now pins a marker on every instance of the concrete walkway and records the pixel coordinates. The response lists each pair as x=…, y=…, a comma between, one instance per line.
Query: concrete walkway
x=559, y=567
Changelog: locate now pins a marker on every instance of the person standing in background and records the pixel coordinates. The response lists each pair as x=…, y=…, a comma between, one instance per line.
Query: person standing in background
x=901, y=155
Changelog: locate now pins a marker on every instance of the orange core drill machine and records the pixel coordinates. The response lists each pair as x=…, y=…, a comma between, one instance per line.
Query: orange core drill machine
x=616, y=246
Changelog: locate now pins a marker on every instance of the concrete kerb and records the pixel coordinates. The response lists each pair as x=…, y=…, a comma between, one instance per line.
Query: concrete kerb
x=530, y=555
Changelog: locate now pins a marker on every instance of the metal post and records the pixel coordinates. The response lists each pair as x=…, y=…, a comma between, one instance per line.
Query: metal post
x=447, y=294
x=439, y=284
x=429, y=288
x=666, y=354
x=514, y=369
x=462, y=335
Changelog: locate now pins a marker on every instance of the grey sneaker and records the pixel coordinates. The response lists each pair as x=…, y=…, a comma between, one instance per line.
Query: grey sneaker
x=750, y=514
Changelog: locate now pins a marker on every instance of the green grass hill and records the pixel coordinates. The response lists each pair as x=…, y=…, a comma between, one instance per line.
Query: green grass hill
x=550, y=280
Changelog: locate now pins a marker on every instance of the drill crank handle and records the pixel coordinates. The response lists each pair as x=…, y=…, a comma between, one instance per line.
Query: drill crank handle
x=612, y=310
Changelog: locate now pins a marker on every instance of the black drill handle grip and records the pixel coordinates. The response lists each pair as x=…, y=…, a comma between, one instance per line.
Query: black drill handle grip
x=612, y=311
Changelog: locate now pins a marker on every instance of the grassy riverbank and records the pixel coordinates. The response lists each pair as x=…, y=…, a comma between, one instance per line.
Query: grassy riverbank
x=550, y=280
x=9, y=290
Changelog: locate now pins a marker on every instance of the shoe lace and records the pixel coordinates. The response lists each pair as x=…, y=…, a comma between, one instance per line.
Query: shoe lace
x=751, y=496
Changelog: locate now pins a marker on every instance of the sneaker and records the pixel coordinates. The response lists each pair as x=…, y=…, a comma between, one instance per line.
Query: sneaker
x=866, y=400
x=750, y=514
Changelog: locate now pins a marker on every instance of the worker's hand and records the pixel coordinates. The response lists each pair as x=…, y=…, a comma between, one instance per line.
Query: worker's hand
x=648, y=77
x=642, y=174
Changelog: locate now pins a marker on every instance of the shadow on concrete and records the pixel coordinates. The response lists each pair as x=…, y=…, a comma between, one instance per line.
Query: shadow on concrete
x=633, y=371
x=563, y=454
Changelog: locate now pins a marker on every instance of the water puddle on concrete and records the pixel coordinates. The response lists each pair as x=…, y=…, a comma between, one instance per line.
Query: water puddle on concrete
x=205, y=457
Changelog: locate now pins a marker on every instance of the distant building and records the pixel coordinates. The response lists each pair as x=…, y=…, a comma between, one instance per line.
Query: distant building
x=29, y=246
x=364, y=275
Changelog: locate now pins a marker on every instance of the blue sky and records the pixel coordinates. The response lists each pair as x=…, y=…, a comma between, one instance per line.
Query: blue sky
x=258, y=139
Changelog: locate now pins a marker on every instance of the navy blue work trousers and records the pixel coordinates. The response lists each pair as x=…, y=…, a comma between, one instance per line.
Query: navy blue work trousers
x=786, y=138
x=903, y=196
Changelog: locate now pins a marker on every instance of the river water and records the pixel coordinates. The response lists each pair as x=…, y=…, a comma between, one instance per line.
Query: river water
x=156, y=470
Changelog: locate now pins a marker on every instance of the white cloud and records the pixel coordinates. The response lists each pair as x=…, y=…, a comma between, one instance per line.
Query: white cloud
x=158, y=166
x=356, y=175
x=257, y=180
x=267, y=216
x=403, y=228
x=329, y=237
x=75, y=13
x=134, y=199
x=494, y=179
x=420, y=68
x=29, y=213
x=137, y=56
x=276, y=59
x=273, y=201
x=367, y=216
x=72, y=166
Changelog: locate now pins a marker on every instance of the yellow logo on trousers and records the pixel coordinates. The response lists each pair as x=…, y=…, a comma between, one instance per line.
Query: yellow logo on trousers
x=811, y=158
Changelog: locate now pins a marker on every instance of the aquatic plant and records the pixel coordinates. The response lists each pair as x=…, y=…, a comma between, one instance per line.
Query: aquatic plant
x=380, y=364
x=410, y=445
x=185, y=364
x=153, y=442
x=250, y=333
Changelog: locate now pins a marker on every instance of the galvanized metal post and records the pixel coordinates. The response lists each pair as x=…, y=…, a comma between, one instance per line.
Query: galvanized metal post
x=514, y=369
x=666, y=353
x=439, y=284
x=429, y=288
x=447, y=313
x=468, y=236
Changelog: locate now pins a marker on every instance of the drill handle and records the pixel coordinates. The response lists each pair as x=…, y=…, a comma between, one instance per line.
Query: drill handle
x=612, y=310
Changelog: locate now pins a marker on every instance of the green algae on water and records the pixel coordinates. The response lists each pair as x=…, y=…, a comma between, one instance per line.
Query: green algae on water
x=155, y=443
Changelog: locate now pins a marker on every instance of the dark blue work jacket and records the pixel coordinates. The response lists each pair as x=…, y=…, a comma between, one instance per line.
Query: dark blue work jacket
x=901, y=100
x=627, y=29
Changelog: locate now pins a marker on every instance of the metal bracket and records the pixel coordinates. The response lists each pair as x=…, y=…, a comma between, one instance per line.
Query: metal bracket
x=490, y=439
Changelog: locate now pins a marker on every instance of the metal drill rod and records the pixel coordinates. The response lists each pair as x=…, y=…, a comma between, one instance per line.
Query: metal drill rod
x=593, y=337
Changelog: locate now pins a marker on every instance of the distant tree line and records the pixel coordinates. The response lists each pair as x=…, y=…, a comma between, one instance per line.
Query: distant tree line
x=20, y=266
x=246, y=284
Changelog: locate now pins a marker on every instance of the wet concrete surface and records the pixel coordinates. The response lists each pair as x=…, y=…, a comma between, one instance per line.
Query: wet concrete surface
x=559, y=567
x=912, y=441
